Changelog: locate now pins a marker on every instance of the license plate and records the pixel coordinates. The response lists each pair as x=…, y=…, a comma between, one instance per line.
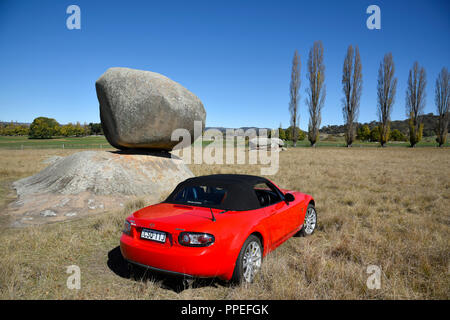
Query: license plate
x=153, y=235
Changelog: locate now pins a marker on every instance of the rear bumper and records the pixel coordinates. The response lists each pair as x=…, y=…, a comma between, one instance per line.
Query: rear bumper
x=173, y=273
x=199, y=262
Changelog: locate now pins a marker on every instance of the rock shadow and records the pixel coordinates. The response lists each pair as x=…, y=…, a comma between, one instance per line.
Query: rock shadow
x=148, y=152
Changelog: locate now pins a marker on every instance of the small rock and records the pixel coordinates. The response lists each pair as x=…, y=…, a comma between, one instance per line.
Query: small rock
x=91, y=204
x=48, y=213
x=63, y=202
x=71, y=214
x=17, y=224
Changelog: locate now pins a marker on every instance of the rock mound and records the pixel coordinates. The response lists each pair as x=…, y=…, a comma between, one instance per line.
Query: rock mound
x=107, y=173
x=93, y=181
x=141, y=109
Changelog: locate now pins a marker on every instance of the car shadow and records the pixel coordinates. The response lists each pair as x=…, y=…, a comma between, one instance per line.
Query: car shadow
x=117, y=264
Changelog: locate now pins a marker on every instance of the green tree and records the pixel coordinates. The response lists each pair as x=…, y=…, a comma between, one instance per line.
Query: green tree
x=13, y=129
x=43, y=128
x=363, y=133
x=352, y=88
x=66, y=130
x=397, y=135
x=375, y=134
x=271, y=133
x=95, y=128
x=415, y=131
x=316, y=91
x=386, y=89
x=442, y=100
x=301, y=135
x=295, y=97
x=415, y=102
x=281, y=133
x=288, y=134
x=77, y=130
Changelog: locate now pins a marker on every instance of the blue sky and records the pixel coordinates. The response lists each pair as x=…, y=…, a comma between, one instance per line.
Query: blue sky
x=234, y=55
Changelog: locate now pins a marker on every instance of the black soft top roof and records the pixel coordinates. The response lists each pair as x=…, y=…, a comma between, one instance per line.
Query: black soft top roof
x=240, y=193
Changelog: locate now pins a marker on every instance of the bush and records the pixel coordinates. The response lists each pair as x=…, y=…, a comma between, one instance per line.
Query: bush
x=71, y=130
x=13, y=129
x=363, y=133
x=95, y=128
x=415, y=134
x=281, y=134
x=43, y=128
x=384, y=132
x=397, y=135
x=375, y=134
x=300, y=134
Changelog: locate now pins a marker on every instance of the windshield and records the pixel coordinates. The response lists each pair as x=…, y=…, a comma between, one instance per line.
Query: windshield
x=201, y=195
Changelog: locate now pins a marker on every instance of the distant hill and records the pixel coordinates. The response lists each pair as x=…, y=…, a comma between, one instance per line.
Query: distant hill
x=429, y=124
x=2, y=123
x=223, y=130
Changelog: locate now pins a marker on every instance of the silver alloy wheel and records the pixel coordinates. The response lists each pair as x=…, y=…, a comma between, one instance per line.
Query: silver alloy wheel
x=310, y=220
x=251, y=261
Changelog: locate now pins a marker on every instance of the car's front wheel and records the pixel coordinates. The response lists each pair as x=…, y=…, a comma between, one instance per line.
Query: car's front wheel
x=310, y=222
x=249, y=261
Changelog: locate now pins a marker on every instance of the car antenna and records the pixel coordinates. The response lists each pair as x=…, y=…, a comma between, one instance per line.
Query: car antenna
x=212, y=213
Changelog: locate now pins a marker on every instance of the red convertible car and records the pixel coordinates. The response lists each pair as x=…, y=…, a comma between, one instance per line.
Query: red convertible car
x=216, y=226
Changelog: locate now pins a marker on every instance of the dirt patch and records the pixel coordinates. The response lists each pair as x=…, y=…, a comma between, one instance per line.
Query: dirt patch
x=48, y=208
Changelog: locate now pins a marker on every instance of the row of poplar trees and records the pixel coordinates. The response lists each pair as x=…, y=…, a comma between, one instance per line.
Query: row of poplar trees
x=352, y=89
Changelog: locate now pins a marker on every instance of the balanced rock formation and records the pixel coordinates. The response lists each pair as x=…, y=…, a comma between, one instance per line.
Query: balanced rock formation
x=263, y=143
x=93, y=181
x=140, y=109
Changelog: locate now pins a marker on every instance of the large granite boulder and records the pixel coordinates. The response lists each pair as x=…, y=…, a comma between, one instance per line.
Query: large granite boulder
x=140, y=109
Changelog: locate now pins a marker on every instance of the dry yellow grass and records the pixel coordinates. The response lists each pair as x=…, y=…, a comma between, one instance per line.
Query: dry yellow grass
x=385, y=207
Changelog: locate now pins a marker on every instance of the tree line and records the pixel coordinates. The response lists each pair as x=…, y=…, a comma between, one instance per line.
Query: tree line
x=363, y=133
x=352, y=89
x=47, y=128
x=430, y=122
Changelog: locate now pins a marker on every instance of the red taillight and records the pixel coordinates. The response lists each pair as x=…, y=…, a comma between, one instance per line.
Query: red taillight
x=195, y=239
x=127, y=227
x=204, y=238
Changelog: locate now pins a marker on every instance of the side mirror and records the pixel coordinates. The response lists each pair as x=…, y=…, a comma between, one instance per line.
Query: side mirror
x=289, y=197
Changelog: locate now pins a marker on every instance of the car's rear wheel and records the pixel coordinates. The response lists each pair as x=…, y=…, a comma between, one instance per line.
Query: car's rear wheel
x=310, y=222
x=249, y=261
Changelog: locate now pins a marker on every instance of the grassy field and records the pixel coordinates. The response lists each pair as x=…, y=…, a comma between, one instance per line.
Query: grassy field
x=386, y=207
x=22, y=142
